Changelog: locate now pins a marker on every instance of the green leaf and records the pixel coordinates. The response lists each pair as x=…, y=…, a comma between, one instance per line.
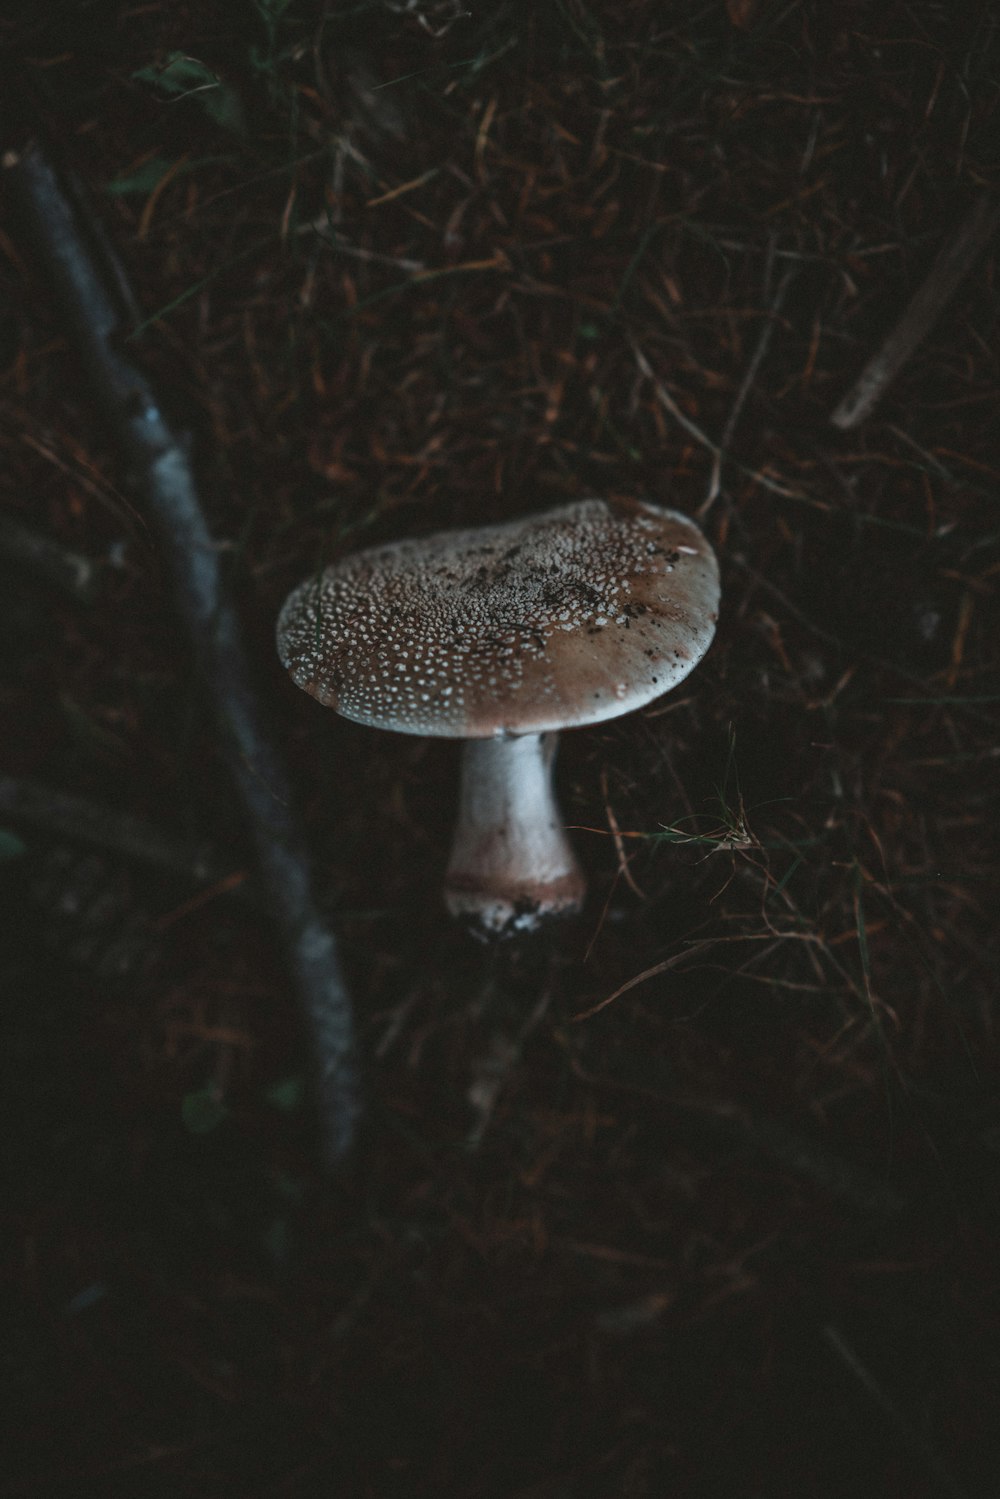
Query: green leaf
x=185, y=77
x=147, y=176
x=178, y=75
x=203, y=1110
x=286, y=1094
x=271, y=11
x=143, y=179
x=11, y=846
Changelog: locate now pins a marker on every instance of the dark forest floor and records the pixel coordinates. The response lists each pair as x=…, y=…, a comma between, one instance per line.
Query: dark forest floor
x=736, y=1231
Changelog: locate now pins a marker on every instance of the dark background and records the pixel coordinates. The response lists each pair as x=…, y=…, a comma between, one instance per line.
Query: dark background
x=734, y=1233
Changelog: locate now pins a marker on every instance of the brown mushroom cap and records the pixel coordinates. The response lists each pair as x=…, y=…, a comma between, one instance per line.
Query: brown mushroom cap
x=555, y=620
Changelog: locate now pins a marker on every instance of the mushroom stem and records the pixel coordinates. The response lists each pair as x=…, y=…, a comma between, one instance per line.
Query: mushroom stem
x=511, y=864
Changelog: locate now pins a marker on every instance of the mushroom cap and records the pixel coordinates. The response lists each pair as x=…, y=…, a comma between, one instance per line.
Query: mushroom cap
x=564, y=618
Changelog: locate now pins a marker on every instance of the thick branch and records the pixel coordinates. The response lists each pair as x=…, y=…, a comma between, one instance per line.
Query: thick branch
x=88, y=283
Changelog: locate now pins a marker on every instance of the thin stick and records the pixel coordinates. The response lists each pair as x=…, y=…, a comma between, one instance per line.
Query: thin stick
x=47, y=560
x=722, y=1121
x=618, y=840
x=83, y=821
x=953, y=262
x=746, y=385
x=667, y=401
x=88, y=283
x=913, y=1434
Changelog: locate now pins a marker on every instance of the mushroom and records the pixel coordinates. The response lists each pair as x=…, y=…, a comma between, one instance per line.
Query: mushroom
x=503, y=636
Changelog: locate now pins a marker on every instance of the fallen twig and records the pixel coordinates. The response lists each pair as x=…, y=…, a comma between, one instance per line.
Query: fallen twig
x=83, y=821
x=669, y=404
x=493, y=1070
x=746, y=385
x=89, y=284
x=47, y=560
x=913, y=1432
x=730, y=1124
x=953, y=262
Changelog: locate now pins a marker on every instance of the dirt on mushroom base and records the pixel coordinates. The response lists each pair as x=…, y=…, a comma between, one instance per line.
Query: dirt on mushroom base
x=518, y=916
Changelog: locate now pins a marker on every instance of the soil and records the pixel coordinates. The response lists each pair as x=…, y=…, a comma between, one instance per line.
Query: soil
x=697, y=1195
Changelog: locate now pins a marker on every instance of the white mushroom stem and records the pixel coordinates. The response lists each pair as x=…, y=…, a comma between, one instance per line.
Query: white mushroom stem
x=511, y=864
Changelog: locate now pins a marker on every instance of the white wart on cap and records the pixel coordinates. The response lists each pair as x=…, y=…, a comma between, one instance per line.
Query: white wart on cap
x=570, y=617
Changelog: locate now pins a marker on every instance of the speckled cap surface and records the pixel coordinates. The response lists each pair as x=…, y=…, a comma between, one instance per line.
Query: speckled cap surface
x=564, y=618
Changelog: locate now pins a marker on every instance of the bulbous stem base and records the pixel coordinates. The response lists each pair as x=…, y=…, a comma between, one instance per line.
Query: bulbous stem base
x=511, y=865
